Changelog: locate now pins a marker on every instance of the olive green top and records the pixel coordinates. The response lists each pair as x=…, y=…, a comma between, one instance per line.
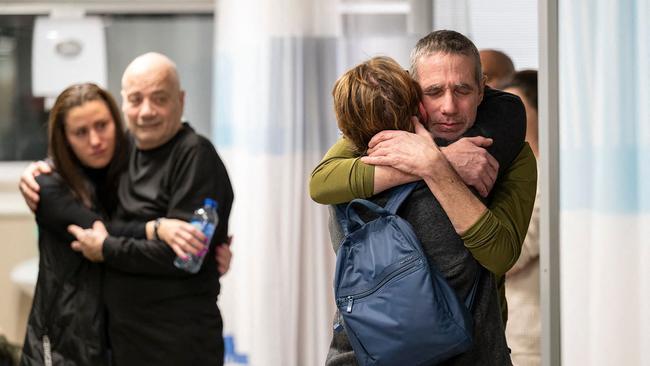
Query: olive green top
x=494, y=240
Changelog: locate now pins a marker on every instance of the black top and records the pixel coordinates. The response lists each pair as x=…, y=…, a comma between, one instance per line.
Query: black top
x=158, y=314
x=501, y=116
x=68, y=305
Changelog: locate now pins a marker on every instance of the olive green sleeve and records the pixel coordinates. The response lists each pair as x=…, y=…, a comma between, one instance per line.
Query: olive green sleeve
x=340, y=176
x=495, y=239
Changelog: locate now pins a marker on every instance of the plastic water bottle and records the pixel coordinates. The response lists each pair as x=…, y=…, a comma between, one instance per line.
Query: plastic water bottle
x=205, y=219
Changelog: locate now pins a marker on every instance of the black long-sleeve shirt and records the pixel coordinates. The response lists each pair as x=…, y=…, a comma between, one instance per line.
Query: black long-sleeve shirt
x=158, y=314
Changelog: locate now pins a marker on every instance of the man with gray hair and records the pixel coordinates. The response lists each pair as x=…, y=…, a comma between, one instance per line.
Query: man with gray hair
x=455, y=105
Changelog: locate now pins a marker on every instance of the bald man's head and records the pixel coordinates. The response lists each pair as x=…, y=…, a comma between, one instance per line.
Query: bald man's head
x=152, y=99
x=497, y=67
x=148, y=64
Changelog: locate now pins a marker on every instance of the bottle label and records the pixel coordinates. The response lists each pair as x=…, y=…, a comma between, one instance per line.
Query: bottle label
x=208, y=231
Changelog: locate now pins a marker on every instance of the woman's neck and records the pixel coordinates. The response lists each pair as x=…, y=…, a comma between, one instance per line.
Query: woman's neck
x=95, y=175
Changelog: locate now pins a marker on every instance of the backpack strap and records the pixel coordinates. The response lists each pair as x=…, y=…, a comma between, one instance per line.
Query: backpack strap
x=348, y=218
x=469, y=300
x=398, y=196
x=339, y=211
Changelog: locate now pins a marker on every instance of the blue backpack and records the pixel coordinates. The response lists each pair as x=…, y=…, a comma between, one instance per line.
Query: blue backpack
x=396, y=309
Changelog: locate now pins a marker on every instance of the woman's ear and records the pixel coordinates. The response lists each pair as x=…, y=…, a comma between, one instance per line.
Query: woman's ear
x=423, y=116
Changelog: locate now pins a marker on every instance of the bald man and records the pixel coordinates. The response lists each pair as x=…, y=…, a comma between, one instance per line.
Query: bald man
x=497, y=67
x=158, y=314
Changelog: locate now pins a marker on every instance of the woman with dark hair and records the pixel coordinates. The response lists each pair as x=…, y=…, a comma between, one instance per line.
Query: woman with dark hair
x=88, y=151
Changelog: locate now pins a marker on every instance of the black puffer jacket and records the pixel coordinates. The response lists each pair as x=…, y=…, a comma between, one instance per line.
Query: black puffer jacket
x=67, y=307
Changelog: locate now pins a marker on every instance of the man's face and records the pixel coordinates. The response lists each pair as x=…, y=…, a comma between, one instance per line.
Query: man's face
x=451, y=93
x=153, y=107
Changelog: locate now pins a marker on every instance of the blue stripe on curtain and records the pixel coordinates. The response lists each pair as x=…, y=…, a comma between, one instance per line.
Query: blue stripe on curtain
x=604, y=157
x=611, y=179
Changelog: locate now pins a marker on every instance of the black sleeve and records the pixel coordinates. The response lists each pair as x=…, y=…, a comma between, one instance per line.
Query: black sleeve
x=58, y=207
x=502, y=117
x=141, y=256
x=132, y=229
x=201, y=174
x=197, y=173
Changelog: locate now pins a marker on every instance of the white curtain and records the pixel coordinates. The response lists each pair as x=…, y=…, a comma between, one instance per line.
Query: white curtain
x=605, y=175
x=506, y=25
x=275, y=64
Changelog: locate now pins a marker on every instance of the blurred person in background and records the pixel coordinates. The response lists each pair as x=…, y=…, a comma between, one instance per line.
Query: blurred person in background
x=497, y=67
x=522, y=285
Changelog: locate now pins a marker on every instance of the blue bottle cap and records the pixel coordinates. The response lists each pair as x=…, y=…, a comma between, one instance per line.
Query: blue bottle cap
x=209, y=202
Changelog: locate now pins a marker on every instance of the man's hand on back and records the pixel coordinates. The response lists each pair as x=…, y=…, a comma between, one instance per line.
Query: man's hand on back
x=473, y=163
x=28, y=186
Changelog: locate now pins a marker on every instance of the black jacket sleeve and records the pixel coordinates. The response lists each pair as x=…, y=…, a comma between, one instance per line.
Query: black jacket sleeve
x=140, y=256
x=58, y=208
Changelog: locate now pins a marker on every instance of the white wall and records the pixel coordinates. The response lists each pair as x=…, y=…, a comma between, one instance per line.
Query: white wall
x=17, y=244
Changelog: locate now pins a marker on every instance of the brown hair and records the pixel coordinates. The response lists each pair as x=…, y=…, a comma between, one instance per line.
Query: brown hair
x=446, y=42
x=374, y=96
x=526, y=80
x=66, y=162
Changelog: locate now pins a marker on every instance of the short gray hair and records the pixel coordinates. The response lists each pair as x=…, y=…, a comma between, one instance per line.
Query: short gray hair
x=446, y=42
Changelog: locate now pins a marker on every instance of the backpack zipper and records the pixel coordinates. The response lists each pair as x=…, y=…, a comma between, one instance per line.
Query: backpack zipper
x=407, y=264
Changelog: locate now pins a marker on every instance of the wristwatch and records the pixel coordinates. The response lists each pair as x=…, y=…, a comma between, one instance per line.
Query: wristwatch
x=156, y=225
